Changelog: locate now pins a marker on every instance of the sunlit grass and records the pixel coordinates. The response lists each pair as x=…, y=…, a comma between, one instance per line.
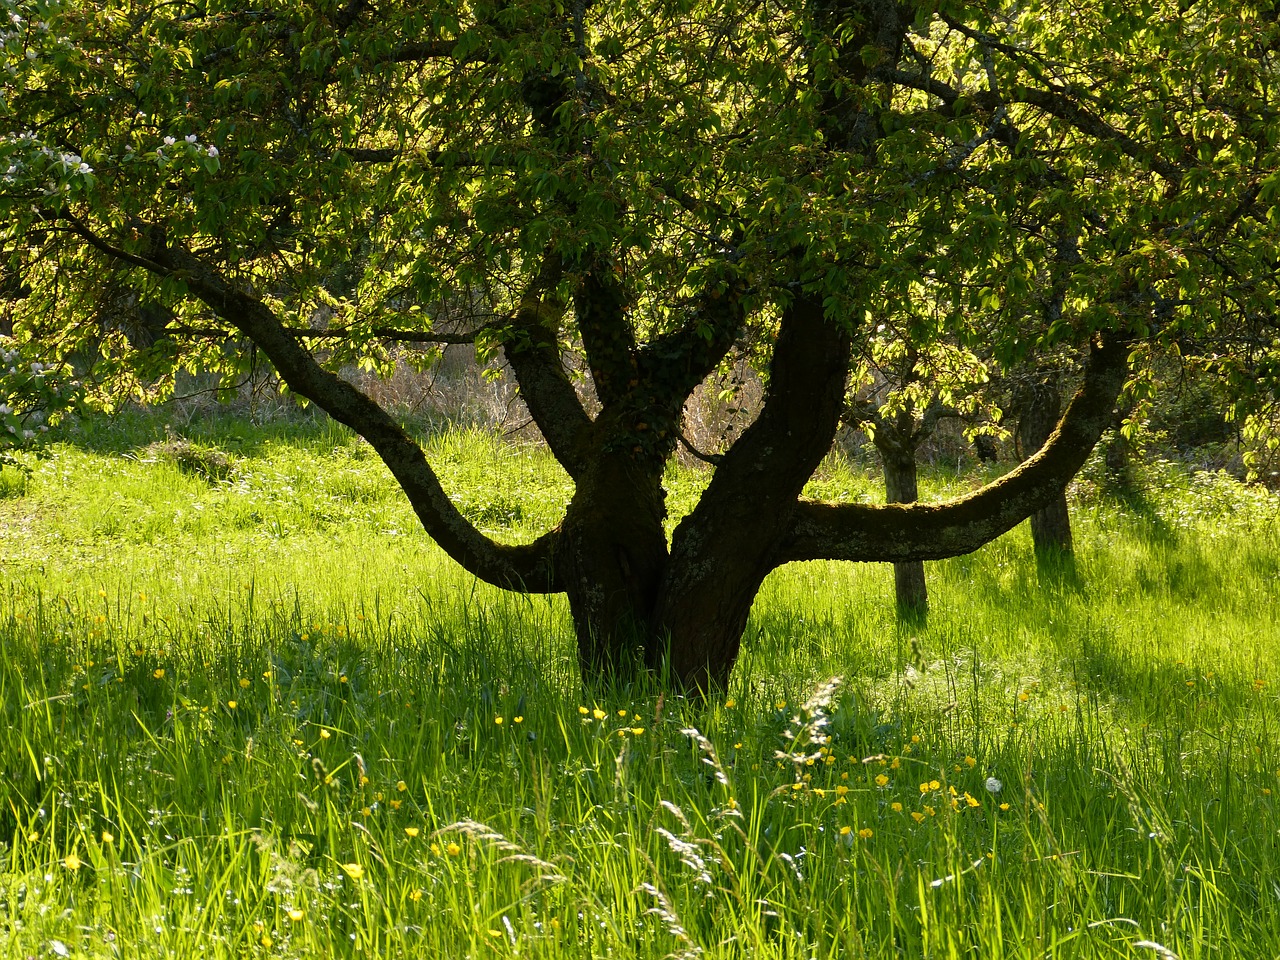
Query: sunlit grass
x=263, y=716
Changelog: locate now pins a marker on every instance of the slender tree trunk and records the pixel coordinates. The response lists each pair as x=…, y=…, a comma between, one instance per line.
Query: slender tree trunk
x=1038, y=414
x=901, y=486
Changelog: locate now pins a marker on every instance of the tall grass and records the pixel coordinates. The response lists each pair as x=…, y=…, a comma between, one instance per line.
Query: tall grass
x=253, y=711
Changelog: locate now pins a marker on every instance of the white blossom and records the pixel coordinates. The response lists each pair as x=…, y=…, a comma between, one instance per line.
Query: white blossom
x=213, y=151
x=169, y=141
x=191, y=138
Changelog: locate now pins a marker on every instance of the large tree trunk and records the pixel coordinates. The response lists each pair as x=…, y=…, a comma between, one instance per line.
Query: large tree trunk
x=723, y=550
x=611, y=559
x=1038, y=409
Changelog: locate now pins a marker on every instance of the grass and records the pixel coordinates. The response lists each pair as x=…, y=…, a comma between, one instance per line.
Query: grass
x=251, y=711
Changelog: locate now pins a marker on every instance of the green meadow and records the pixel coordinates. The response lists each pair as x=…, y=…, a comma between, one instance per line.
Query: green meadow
x=251, y=711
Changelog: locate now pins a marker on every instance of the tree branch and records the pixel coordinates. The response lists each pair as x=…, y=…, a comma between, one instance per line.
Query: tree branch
x=897, y=532
x=527, y=568
x=532, y=347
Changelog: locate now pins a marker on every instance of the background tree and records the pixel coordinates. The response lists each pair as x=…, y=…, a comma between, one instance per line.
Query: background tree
x=658, y=181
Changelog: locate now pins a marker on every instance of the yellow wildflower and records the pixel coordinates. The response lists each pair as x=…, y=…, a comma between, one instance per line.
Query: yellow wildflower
x=411, y=832
x=296, y=914
x=882, y=780
x=71, y=862
x=353, y=870
x=158, y=673
x=244, y=683
x=895, y=807
x=866, y=833
x=453, y=849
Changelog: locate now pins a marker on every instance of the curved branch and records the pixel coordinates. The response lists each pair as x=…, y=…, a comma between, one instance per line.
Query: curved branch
x=526, y=568
x=897, y=532
x=532, y=348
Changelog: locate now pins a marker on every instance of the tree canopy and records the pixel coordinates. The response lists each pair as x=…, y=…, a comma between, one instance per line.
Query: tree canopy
x=654, y=186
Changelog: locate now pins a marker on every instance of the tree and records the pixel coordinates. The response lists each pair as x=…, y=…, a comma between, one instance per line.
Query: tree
x=656, y=181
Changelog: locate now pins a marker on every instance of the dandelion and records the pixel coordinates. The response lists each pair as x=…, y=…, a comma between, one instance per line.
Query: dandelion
x=882, y=780
x=453, y=849
x=411, y=832
x=353, y=870
x=993, y=785
x=296, y=914
x=71, y=862
x=970, y=762
x=231, y=704
x=158, y=673
x=1004, y=806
